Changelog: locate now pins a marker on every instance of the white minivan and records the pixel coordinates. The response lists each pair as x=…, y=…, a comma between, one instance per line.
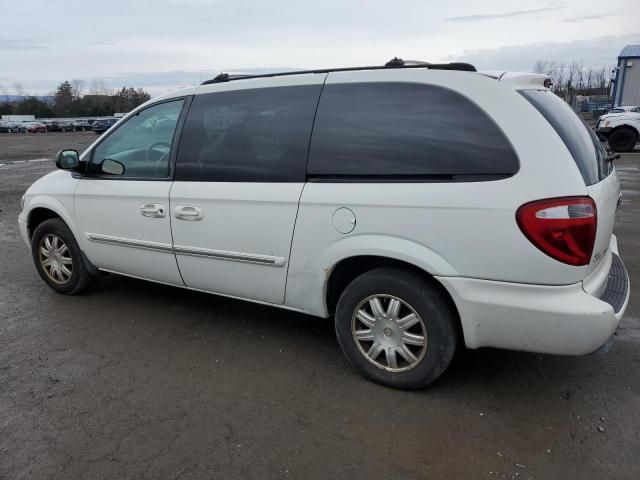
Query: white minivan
x=420, y=205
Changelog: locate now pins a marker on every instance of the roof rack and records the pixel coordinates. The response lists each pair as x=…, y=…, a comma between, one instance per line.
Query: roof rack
x=393, y=63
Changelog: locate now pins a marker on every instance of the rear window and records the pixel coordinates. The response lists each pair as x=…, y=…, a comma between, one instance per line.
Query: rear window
x=406, y=131
x=586, y=149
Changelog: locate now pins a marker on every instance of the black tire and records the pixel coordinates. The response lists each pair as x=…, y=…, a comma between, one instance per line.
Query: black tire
x=623, y=140
x=80, y=276
x=431, y=304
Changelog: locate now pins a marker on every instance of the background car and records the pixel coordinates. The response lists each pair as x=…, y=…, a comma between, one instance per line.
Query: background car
x=621, y=130
x=33, y=127
x=81, y=125
x=10, y=127
x=61, y=126
x=101, y=126
x=626, y=108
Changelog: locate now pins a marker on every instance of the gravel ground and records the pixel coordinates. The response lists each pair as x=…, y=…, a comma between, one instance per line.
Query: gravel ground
x=138, y=380
x=29, y=146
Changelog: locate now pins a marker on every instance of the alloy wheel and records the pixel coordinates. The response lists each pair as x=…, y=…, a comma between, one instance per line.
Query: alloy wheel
x=389, y=333
x=55, y=259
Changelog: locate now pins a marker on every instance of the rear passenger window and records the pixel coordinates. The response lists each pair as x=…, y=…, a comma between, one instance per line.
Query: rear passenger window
x=254, y=135
x=406, y=130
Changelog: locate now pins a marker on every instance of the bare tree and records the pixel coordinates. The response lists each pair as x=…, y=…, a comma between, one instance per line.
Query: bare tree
x=559, y=83
x=18, y=87
x=99, y=87
x=77, y=87
x=600, y=79
x=541, y=66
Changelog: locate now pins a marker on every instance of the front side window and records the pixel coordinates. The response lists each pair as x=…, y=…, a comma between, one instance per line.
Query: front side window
x=142, y=144
x=406, y=130
x=252, y=135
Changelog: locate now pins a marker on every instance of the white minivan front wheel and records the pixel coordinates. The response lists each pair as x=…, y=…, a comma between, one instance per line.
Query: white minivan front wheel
x=58, y=257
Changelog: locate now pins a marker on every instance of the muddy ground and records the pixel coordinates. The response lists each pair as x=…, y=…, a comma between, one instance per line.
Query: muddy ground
x=137, y=380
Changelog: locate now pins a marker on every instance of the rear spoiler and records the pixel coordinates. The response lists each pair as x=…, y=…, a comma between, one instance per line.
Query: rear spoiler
x=519, y=78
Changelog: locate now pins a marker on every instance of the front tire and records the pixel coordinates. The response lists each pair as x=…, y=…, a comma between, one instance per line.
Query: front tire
x=58, y=257
x=395, y=328
x=623, y=140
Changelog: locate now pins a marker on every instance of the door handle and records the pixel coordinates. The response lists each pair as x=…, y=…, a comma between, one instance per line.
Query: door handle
x=153, y=210
x=188, y=212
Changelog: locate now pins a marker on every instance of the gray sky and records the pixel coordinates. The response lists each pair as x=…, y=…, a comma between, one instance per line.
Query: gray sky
x=164, y=44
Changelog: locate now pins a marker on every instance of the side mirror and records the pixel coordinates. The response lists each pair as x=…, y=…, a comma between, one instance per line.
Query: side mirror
x=67, y=159
x=112, y=167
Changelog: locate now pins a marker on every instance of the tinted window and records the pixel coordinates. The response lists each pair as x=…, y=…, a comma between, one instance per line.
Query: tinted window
x=256, y=135
x=397, y=129
x=142, y=144
x=586, y=149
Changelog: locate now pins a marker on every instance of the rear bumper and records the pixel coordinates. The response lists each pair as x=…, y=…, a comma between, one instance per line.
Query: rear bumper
x=562, y=320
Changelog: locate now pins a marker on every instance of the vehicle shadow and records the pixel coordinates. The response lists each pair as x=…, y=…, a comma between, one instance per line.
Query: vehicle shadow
x=314, y=339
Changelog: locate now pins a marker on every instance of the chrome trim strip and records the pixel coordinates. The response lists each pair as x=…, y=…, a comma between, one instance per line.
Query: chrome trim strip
x=129, y=242
x=228, y=255
x=191, y=251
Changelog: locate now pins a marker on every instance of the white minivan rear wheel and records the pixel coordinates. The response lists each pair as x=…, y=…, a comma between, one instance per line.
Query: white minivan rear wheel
x=396, y=328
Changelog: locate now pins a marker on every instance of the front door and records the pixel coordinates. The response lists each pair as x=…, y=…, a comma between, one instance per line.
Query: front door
x=122, y=204
x=240, y=172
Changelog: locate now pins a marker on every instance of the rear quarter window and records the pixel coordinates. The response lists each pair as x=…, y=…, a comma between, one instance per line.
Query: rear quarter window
x=407, y=131
x=586, y=149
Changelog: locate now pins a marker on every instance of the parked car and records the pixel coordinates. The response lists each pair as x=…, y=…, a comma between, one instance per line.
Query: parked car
x=10, y=127
x=624, y=109
x=33, y=127
x=81, y=125
x=416, y=206
x=101, y=126
x=61, y=126
x=621, y=130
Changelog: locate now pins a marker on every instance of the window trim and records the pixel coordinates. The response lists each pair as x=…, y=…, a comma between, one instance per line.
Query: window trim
x=186, y=103
x=410, y=178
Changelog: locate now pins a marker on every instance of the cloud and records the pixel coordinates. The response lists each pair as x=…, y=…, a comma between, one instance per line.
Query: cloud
x=514, y=13
x=15, y=44
x=596, y=52
x=587, y=18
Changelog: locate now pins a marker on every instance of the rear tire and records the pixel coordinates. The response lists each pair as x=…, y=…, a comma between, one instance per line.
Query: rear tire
x=395, y=328
x=58, y=257
x=623, y=140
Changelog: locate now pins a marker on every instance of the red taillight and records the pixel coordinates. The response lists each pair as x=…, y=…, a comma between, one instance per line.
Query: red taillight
x=563, y=228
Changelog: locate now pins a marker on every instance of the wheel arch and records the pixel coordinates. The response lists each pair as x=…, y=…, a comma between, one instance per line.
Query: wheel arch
x=625, y=126
x=42, y=208
x=37, y=216
x=349, y=268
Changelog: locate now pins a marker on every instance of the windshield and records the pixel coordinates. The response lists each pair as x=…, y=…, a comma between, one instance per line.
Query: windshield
x=586, y=149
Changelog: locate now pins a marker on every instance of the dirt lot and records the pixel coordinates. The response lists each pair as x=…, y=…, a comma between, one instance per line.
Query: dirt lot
x=29, y=146
x=137, y=380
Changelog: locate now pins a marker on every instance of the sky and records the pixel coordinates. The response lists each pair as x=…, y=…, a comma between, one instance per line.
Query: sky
x=165, y=44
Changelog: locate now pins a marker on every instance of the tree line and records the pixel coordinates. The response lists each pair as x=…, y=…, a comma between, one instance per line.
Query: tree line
x=71, y=99
x=571, y=79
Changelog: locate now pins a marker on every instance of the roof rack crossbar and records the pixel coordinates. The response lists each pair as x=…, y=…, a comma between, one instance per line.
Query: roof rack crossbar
x=394, y=63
